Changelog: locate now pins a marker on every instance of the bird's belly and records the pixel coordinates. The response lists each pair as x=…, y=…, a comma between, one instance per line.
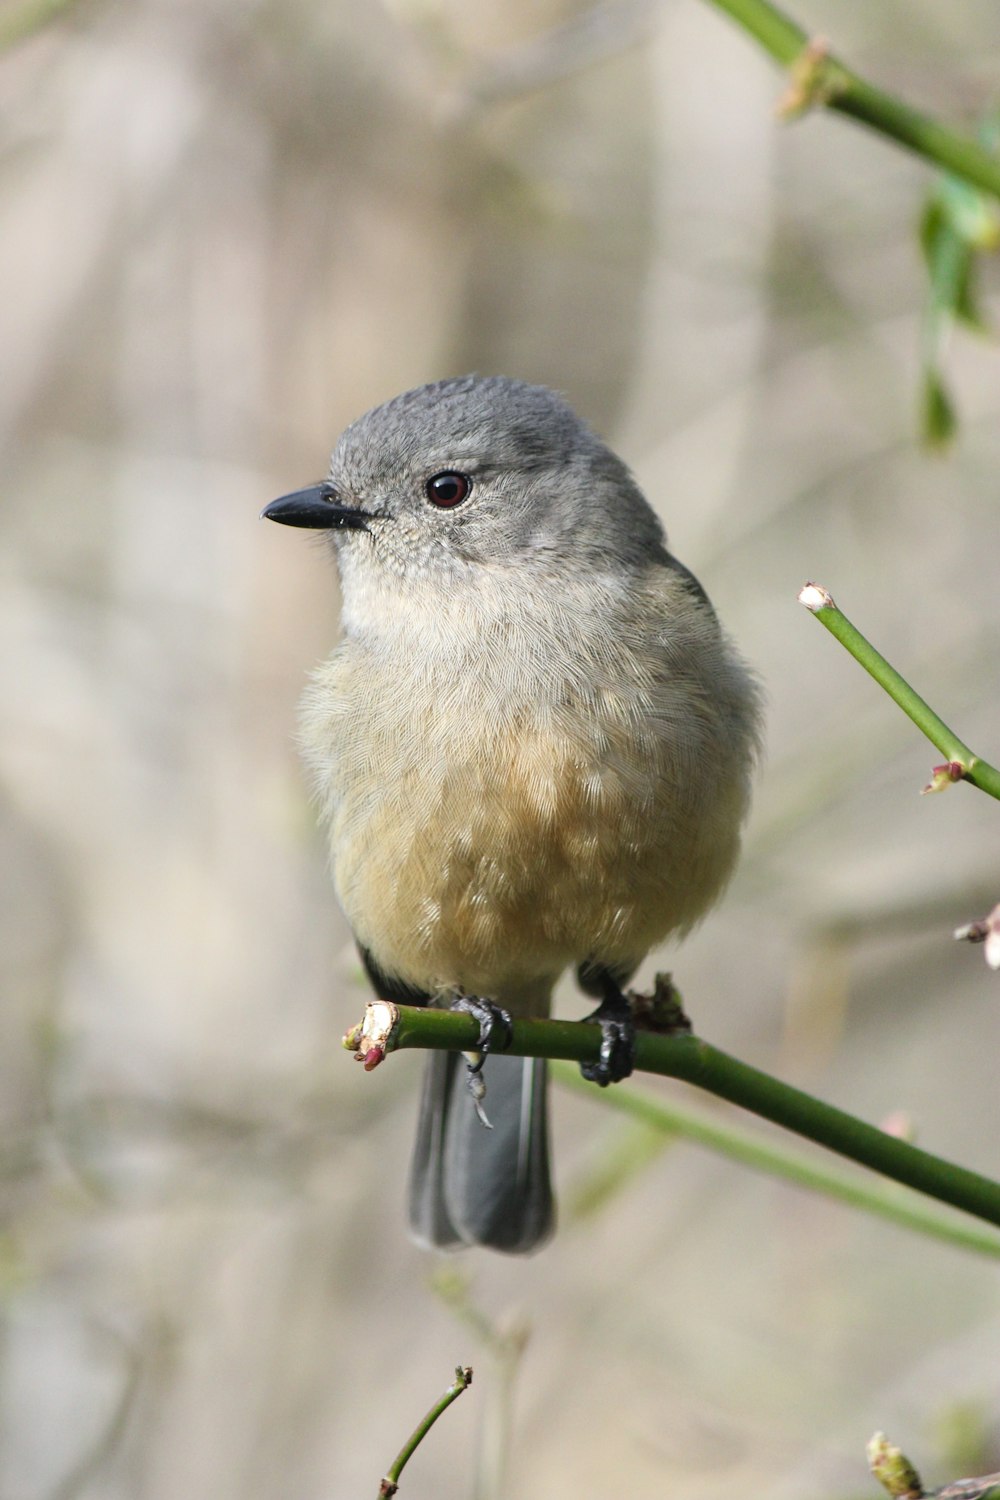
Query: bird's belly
x=488, y=872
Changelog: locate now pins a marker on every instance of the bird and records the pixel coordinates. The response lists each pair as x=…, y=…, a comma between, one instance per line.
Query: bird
x=532, y=750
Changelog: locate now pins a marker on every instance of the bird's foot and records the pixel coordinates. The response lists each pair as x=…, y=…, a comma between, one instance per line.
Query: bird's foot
x=495, y=1032
x=495, y=1025
x=617, y=1056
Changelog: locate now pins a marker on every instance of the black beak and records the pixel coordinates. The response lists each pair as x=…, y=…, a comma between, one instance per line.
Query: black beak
x=319, y=507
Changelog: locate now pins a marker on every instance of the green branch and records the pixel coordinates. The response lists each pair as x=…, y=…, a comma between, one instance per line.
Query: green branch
x=760, y=1155
x=390, y=1484
x=819, y=78
x=386, y=1028
x=963, y=764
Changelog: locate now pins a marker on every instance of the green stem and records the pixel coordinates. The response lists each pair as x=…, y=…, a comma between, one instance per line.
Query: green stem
x=462, y=1381
x=505, y=1342
x=776, y=1161
x=777, y=33
x=972, y=768
x=696, y=1062
x=841, y=89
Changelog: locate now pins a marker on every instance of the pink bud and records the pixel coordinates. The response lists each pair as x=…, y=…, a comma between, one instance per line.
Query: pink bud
x=943, y=776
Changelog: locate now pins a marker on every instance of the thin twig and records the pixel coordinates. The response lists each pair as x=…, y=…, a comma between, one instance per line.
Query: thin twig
x=387, y=1027
x=986, y=1487
x=962, y=763
x=835, y=86
x=390, y=1484
x=752, y=1151
x=505, y=1341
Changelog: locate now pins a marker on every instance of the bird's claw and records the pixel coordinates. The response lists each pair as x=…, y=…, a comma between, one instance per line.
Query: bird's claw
x=617, y=1055
x=495, y=1032
x=495, y=1025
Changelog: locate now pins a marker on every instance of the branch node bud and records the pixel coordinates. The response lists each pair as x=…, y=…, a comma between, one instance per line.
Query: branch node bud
x=944, y=776
x=372, y=1038
x=814, y=596
x=814, y=80
x=893, y=1470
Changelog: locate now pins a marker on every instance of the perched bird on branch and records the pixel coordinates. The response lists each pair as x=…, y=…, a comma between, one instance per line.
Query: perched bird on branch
x=532, y=748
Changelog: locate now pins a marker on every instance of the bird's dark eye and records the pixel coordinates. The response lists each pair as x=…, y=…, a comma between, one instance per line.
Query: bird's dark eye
x=448, y=488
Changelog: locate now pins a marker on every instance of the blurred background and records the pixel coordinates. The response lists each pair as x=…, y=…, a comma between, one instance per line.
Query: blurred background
x=227, y=227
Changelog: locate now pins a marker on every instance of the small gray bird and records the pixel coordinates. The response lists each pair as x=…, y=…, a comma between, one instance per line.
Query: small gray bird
x=532, y=748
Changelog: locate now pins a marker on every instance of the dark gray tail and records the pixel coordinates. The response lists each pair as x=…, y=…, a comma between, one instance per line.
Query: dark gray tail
x=473, y=1186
